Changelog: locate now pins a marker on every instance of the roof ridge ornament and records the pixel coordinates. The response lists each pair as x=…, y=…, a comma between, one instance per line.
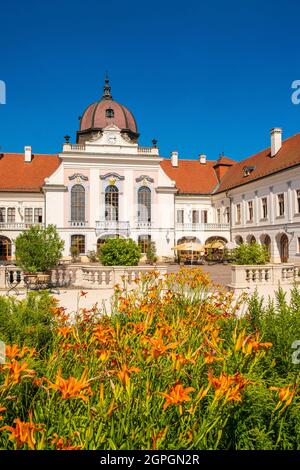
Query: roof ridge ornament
x=106, y=88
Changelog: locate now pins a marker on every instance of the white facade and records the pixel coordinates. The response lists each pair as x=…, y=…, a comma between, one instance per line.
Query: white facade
x=266, y=210
x=111, y=161
x=279, y=220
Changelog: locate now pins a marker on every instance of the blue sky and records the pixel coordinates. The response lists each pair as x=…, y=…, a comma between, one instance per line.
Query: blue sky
x=201, y=77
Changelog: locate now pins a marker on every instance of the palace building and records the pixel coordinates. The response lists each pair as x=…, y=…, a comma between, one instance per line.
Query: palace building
x=106, y=185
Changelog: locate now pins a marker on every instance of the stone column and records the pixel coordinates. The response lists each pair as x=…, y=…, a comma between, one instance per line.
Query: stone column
x=2, y=277
x=256, y=215
x=290, y=202
x=271, y=208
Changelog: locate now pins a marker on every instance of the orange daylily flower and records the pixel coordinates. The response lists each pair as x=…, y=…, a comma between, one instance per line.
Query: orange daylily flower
x=16, y=372
x=2, y=408
x=61, y=444
x=104, y=334
x=24, y=432
x=103, y=354
x=210, y=357
x=180, y=360
x=72, y=387
x=228, y=386
x=65, y=331
x=249, y=343
x=125, y=372
x=14, y=351
x=285, y=394
x=177, y=395
x=158, y=346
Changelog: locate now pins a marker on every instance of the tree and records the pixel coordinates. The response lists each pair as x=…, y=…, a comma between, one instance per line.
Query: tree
x=251, y=253
x=38, y=249
x=119, y=252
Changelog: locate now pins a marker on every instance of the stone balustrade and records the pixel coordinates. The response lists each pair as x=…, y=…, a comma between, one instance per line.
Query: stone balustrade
x=85, y=276
x=264, y=278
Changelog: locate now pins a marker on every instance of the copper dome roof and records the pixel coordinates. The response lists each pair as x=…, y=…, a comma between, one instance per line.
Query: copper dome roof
x=102, y=113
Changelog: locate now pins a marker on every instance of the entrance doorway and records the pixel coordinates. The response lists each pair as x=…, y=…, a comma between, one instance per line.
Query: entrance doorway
x=266, y=241
x=284, y=248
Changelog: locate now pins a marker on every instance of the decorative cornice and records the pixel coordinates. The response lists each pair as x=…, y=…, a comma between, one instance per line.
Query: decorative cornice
x=78, y=175
x=144, y=177
x=166, y=190
x=112, y=175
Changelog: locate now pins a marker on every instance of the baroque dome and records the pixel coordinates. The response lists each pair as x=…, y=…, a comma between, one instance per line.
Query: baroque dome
x=103, y=113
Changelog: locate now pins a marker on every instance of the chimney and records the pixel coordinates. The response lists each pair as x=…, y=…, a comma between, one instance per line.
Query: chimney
x=28, y=153
x=174, y=158
x=276, y=140
x=202, y=159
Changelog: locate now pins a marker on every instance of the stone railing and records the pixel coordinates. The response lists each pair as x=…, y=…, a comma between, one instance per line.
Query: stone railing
x=18, y=225
x=264, y=278
x=85, y=276
x=112, y=225
x=202, y=227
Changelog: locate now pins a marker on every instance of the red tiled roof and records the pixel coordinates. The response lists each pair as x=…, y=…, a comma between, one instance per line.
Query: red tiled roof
x=18, y=175
x=225, y=161
x=191, y=176
x=264, y=165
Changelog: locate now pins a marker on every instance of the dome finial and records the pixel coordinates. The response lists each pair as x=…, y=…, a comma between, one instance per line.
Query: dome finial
x=107, y=88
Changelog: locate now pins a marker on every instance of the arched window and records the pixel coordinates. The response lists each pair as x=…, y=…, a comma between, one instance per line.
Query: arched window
x=112, y=203
x=110, y=113
x=78, y=203
x=78, y=241
x=144, y=204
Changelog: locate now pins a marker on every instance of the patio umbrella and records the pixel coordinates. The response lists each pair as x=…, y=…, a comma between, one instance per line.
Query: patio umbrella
x=189, y=246
x=217, y=244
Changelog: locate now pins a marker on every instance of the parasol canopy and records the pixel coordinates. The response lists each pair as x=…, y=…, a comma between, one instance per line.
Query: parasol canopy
x=217, y=244
x=189, y=246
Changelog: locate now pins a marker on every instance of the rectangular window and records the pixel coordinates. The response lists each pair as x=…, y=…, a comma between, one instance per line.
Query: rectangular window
x=38, y=215
x=180, y=216
x=144, y=242
x=298, y=248
x=2, y=214
x=280, y=198
x=28, y=215
x=298, y=201
x=195, y=217
x=250, y=211
x=227, y=215
x=204, y=217
x=218, y=216
x=264, y=207
x=11, y=214
x=238, y=213
x=78, y=242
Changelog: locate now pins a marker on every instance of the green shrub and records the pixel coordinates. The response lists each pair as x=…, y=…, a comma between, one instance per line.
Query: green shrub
x=92, y=256
x=39, y=248
x=151, y=253
x=28, y=321
x=251, y=253
x=119, y=252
